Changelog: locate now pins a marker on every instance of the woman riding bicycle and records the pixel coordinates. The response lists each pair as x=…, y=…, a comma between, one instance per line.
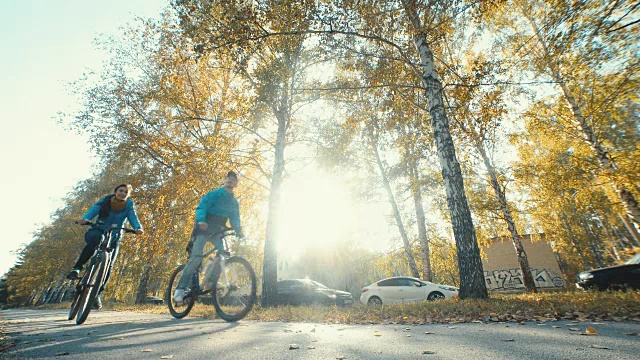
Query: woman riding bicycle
x=212, y=213
x=112, y=210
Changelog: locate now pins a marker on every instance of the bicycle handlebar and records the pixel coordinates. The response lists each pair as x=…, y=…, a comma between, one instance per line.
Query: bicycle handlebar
x=112, y=228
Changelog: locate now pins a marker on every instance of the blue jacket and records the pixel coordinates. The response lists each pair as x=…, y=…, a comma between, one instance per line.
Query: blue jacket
x=116, y=218
x=222, y=203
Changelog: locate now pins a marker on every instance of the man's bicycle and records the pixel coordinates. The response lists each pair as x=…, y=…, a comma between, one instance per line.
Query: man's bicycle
x=92, y=281
x=230, y=280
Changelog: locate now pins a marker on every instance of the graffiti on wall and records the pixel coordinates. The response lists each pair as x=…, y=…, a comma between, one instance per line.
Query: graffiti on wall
x=511, y=279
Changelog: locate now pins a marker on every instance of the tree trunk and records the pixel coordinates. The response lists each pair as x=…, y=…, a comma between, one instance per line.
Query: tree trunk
x=270, y=265
x=396, y=213
x=472, y=283
x=632, y=230
x=143, y=284
x=521, y=254
x=416, y=191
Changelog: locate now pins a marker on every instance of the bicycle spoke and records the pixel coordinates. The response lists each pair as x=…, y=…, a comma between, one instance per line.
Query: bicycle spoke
x=235, y=290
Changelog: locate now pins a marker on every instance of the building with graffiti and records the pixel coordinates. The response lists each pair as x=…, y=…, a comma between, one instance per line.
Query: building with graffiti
x=502, y=270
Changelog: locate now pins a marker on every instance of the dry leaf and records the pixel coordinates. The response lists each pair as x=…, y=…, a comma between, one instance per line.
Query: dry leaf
x=428, y=332
x=428, y=352
x=313, y=330
x=556, y=326
x=147, y=350
x=599, y=347
x=508, y=340
x=591, y=331
x=409, y=335
x=311, y=347
x=632, y=334
x=62, y=353
x=166, y=357
x=293, y=346
x=377, y=334
x=574, y=329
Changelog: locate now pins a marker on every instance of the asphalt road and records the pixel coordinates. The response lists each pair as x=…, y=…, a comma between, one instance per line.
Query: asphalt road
x=124, y=335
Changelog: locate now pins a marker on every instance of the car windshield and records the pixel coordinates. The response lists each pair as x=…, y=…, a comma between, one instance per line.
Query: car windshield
x=634, y=260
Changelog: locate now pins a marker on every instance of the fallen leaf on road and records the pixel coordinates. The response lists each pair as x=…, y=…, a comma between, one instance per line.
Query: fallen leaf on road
x=313, y=330
x=574, y=329
x=598, y=347
x=311, y=347
x=632, y=334
x=147, y=350
x=591, y=331
x=377, y=334
x=428, y=332
x=572, y=324
x=508, y=340
x=293, y=346
x=556, y=326
x=62, y=353
x=452, y=327
x=409, y=335
x=428, y=352
x=166, y=357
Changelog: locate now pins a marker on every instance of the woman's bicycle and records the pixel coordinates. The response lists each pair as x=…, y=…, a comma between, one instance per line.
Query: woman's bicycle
x=92, y=281
x=230, y=280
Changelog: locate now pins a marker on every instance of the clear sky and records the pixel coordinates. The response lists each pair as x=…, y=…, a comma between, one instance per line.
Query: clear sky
x=45, y=44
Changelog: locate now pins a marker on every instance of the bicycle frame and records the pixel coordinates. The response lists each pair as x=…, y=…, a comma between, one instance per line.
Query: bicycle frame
x=221, y=256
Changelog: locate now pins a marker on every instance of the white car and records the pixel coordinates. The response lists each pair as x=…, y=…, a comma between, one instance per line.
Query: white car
x=399, y=289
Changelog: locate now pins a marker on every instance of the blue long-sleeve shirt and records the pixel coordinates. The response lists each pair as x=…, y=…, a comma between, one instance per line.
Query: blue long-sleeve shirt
x=116, y=218
x=222, y=203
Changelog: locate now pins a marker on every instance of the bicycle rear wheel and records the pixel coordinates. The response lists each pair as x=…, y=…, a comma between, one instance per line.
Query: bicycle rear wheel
x=178, y=311
x=235, y=289
x=75, y=302
x=91, y=290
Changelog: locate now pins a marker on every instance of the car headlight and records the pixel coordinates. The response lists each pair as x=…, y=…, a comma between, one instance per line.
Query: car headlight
x=448, y=288
x=585, y=276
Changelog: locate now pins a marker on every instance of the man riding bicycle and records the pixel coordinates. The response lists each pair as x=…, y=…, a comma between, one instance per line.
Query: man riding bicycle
x=212, y=213
x=111, y=210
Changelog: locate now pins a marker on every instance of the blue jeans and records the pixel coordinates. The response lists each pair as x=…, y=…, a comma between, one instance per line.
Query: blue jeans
x=196, y=253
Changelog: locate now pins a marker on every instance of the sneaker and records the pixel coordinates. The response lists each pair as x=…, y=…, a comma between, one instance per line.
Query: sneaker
x=74, y=274
x=98, y=303
x=178, y=296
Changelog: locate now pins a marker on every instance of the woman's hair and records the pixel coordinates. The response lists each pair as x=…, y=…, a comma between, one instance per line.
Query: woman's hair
x=128, y=186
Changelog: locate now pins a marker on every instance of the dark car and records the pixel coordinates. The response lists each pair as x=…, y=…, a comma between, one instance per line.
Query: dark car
x=612, y=277
x=153, y=300
x=308, y=292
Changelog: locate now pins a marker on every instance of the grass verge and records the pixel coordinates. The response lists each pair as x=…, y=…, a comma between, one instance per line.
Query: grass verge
x=574, y=306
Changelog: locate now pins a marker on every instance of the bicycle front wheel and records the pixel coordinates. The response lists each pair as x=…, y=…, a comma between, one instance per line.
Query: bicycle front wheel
x=75, y=302
x=178, y=311
x=235, y=289
x=91, y=290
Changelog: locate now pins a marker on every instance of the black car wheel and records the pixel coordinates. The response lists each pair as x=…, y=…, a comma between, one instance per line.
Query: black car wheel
x=374, y=301
x=435, y=296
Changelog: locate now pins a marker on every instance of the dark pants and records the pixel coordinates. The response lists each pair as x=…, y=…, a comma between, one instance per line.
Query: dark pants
x=93, y=237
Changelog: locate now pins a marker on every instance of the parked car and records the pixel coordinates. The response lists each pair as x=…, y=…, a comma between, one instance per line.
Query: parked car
x=622, y=276
x=153, y=300
x=399, y=289
x=307, y=292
